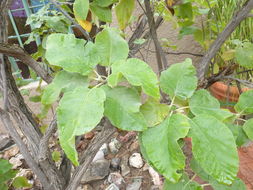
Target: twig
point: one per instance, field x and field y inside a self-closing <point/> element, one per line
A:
<point x="179" y="53"/>
<point x="19" y="53"/>
<point x="89" y="154"/>
<point x="161" y="59"/>
<point x="84" y="32"/>
<point x="236" y="20"/>
<point x="43" y="147"/>
<point x="5" y="89"/>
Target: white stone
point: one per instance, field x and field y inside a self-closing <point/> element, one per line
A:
<point x="136" y="160"/>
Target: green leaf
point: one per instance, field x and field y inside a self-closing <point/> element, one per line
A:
<point x="184" y="11"/>
<point x="35" y="98"/>
<point x="210" y="140"/>
<point x="179" y="80"/>
<point x="56" y="156"/>
<point x="5" y="166"/>
<point x="183" y="184"/>
<point x="104" y="3"/>
<point x="81" y="8"/>
<point x="124" y="10"/>
<point x="236" y="185"/>
<point x="79" y="111"/>
<point x="245" y="103"/>
<point x="161" y="146"/>
<point x="63" y="82"/>
<point x="138" y="73"/>
<point x="7" y="176"/>
<point x="203" y="103"/>
<point x="20" y="182"/>
<point x="154" y="112"/>
<point x="244" y="55"/>
<point x="248" y="128"/>
<point x="111" y="46"/>
<point x="122" y="108"/>
<point x="70" y="53"/>
<point x="3" y="186"/>
<point x="103" y="13"/>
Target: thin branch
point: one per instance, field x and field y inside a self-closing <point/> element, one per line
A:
<point x="89" y="154"/>
<point x="43" y="147"/>
<point x="5" y="89"/>
<point x="84" y="32"/>
<point x="161" y="59"/>
<point x="22" y="148"/>
<point x="236" y="20"/>
<point x="19" y="53"/>
<point x="179" y="53"/>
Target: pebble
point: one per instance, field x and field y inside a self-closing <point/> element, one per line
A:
<point x="136" y="161"/>
<point x="136" y="185"/>
<point x="98" y="170"/>
<point x="116" y="178"/>
<point x="155" y="176"/>
<point x="125" y="170"/>
<point x="99" y="156"/>
<point x="16" y="162"/>
<point x="114" y="146"/>
<point x="112" y="187"/>
<point x="13" y="151"/>
<point x="115" y="164"/>
<point x="104" y="148"/>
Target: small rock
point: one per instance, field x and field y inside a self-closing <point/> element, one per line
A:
<point x="98" y="170"/>
<point x="154" y="187"/>
<point x="11" y="152"/>
<point x="115" y="164"/>
<point x="125" y="170"/>
<point x="116" y="179"/>
<point x="27" y="173"/>
<point x="89" y="135"/>
<point x="87" y="187"/>
<point x="104" y="148"/>
<point x="114" y="146"/>
<point x="99" y="156"/>
<point x="155" y="176"/>
<point x="145" y="167"/>
<point x="136" y="160"/>
<point x="136" y="185"/>
<point x="16" y="162"/>
<point x="134" y="146"/>
<point x="112" y="187"/>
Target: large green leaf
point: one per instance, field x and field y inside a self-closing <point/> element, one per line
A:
<point x="138" y="73"/>
<point x="104" y="3"/>
<point x="63" y="82"/>
<point x="203" y="103"/>
<point x="161" y="146"/>
<point x="154" y="112"/>
<point x="245" y="103"/>
<point x="81" y="8"/>
<point x="124" y="10"/>
<point x="70" y="53"/>
<point x="79" y="111"/>
<point x="111" y="46"/>
<point x="103" y="13"/>
<point x="5" y="166"/>
<point x="179" y="80"/>
<point x="214" y="148"/>
<point x="236" y="185"/>
<point x="244" y="55"/>
<point x="183" y="184"/>
<point x="248" y="128"/>
<point x="122" y="107"/>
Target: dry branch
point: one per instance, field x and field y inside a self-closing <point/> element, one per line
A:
<point x="231" y="26"/>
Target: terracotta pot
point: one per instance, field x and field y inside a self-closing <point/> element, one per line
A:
<point x="227" y="95"/>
